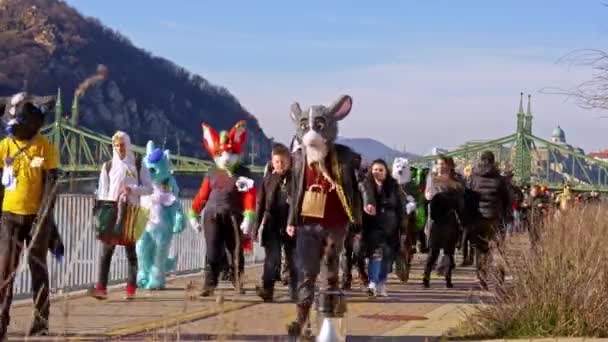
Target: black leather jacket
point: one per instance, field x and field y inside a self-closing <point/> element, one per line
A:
<point x="350" y="185"/>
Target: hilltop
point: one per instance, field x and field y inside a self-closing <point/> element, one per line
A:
<point x="48" y="45"/>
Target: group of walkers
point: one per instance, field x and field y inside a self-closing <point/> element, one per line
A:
<point x="317" y="205"/>
<point x="467" y="212"/>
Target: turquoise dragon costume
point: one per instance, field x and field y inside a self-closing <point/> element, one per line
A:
<point x="166" y="220"/>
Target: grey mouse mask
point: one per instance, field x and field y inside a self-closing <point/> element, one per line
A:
<point x="317" y="126"/>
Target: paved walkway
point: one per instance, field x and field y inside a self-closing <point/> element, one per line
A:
<point x="410" y="313"/>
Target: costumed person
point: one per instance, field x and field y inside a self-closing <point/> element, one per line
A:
<point x="402" y="173"/>
<point x="419" y="178"/>
<point x="325" y="198"/>
<point x="29" y="163"/>
<point x="122" y="180"/>
<point x="166" y="220"/>
<point x="227" y="195"/>
<point x="271" y="215"/>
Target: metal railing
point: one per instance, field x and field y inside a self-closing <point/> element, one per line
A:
<point x="79" y="268"/>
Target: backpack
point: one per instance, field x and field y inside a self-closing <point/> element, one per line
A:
<point x="138" y="159"/>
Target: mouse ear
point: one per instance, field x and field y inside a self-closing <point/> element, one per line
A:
<point x="295" y="112"/>
<point x="341" y="107"/>
<point x="44" y="103"/>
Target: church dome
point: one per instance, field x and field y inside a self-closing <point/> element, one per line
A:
<point x="558" y="135"/>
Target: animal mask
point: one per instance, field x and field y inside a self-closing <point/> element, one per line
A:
<point x="158" y="163"/>
<point x="401" y="170"/>
<point x="317" y="126"/>
<point x="23" y="114"/>
<point x="226" y="147"/>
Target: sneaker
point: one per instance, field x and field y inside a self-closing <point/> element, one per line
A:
<point x="381" y="290"/>
<point x="371" y="289"/>
<point x="99" y="292"/>
<point x="207" y="292"/>
<point x="39" y="328"/>
<point x="130" y="292"/>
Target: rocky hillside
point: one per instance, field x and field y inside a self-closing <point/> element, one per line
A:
<point x="46" y="44"/>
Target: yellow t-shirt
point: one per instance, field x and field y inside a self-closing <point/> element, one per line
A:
<point x="27" y="167"/>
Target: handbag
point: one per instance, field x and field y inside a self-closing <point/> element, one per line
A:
<point x="313" y="203"/>
<point x="119" y="223"/>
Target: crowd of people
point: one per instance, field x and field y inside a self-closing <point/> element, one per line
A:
<point x="317" y="205"/>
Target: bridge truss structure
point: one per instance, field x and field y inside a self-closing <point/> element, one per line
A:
<point x="534" y="160"/>
<point x="83" y="150"/>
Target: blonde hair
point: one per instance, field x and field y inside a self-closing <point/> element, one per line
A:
<point x="119" y="135"/>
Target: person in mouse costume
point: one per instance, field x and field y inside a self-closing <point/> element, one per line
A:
<point x="30" y="164"/>
<point x="228" y="197"/>
<point x="325" y="197"/>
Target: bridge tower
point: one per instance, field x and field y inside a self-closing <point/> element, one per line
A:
<point x="57" y="123"/>
<point x="523" y="162"/>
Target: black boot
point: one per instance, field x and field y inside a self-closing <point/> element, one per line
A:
<point x="208" y="284"/>
<point x="347" y="283"/>
<point x="266" y="294"/>
<point x="426" y="280"/>
<point x="39" y="327"/>
<point x="448" y="280"/>
<point x="295" y="328"/>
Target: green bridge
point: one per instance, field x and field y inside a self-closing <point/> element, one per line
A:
<point x="534" y="160"/>
<point x="83" y="150"/>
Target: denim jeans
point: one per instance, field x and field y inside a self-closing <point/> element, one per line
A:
<point x="378" y="266"/>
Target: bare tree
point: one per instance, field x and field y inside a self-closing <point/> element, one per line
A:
<point x="593" y="93"/>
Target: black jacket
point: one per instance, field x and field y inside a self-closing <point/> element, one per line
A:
<point x="344" y="156"/>
<point x="492" y="192"/>
<point x="274" y="214"/>
<point x="385" y="227"/>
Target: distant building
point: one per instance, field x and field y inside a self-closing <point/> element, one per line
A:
<point x="601" y="155"/>
<point x="438" y="150"/>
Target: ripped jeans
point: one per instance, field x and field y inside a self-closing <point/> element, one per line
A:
<point x="379" y="264"/>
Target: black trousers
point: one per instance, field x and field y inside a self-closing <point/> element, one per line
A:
<point x="220" y="234"/>
<point x="354" y="255"/>
<point x="14" y="231"/>
<point x="273" y="247"/>
<point x="105" y="260"/>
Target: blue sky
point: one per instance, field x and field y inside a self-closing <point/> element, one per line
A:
<point x="422" y="73"/>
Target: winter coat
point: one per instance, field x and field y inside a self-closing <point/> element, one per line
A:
<point x="272" y="207"/>
<point x="493" y="193"/>
<point x="446" y="205"/>
<point x="344" y="167"/>
<point x="383" y="230"/>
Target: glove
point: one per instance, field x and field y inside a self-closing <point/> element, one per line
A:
<point x="246" y="225"/>
<point x="410" y="207"/>
<point x="244" y="184"/>
<point x="194" y="221"/>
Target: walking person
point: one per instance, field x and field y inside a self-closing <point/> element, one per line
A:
<point x="354" y="249"/>
<point x="121" y="179"/>
<point x="445" y="192"/>
<point x="29" y="164"/>
<point x="272" y="211"/>
<point x="495" y="204"/>
<point x="382" y="231"/>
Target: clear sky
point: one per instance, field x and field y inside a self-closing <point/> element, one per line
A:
<point x="422" y="73"/>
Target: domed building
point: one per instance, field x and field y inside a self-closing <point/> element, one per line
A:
<point x="558" y="136"/>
